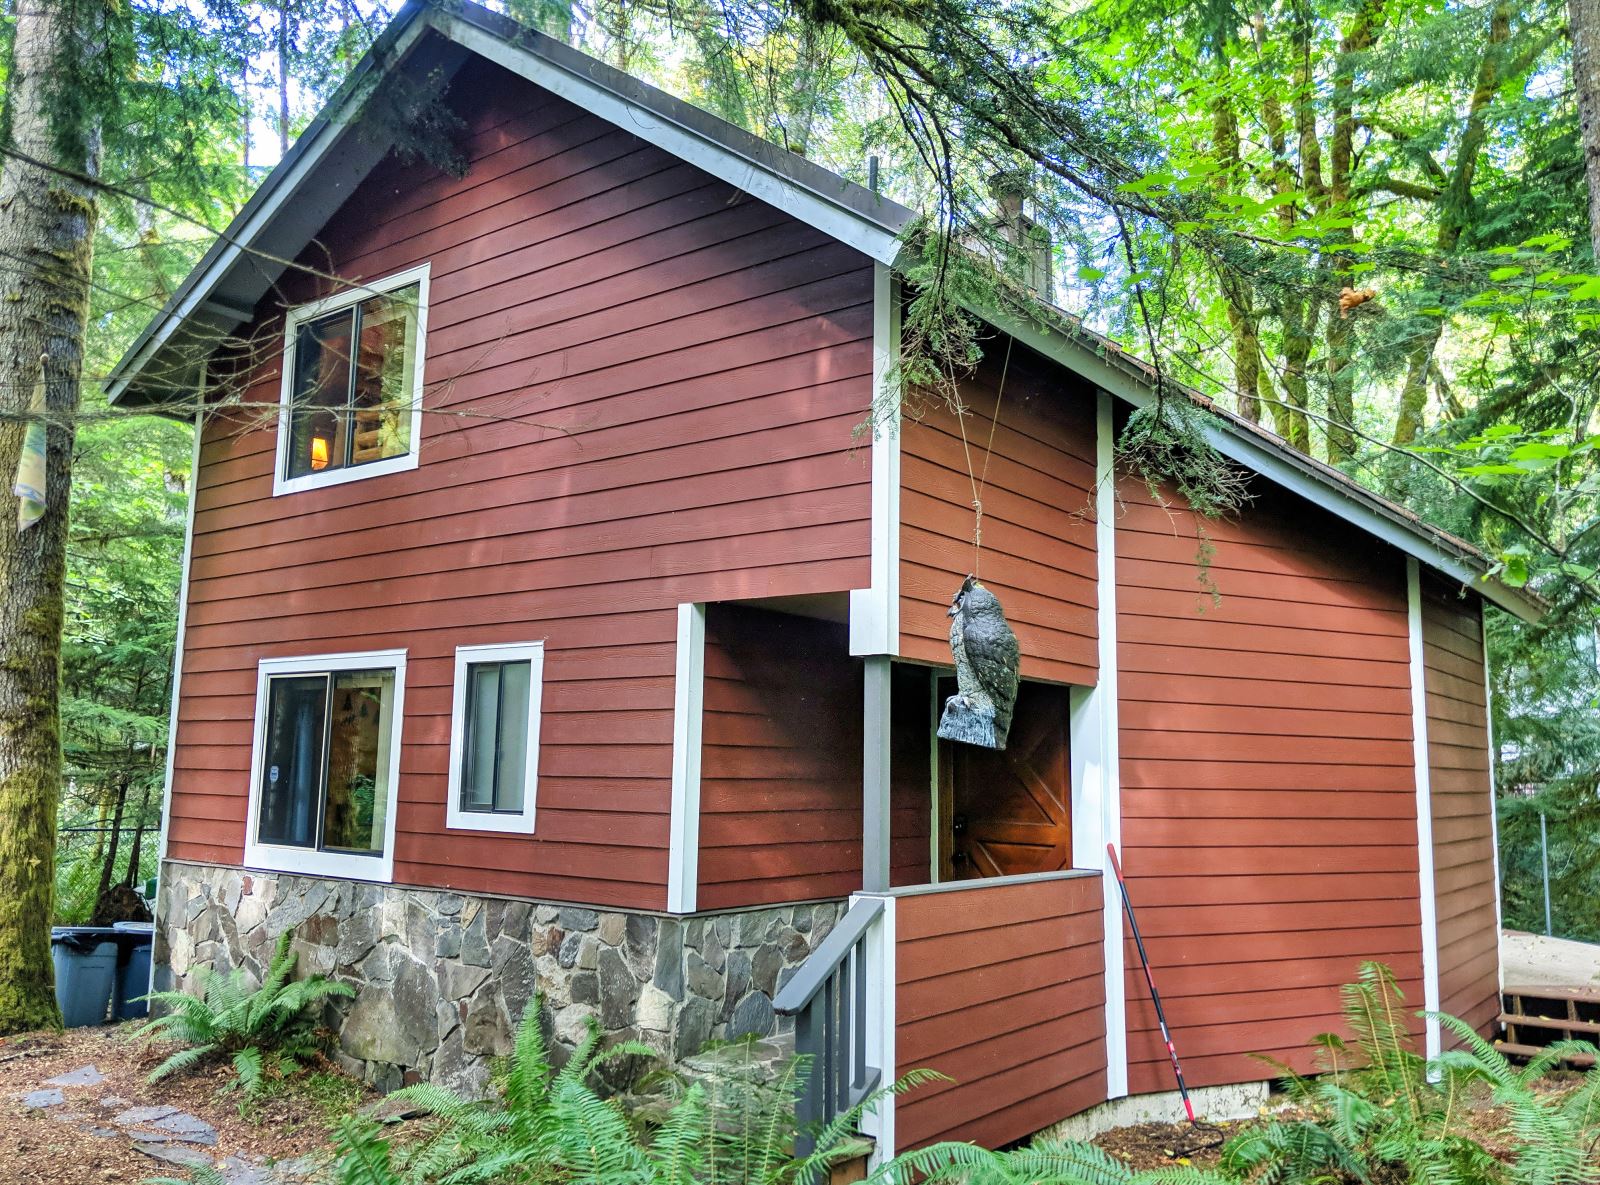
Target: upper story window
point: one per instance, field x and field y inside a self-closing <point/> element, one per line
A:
<point x="494" y="737"/>
<point x="325" y="763"/>
<point x="352" y="384"/>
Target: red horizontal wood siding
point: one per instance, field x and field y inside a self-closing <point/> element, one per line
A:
<point x="641" y="390"/>
<point x="780" y="765"/>
<point x="1463" y="806"/>
<point x="1001" y="988"/>
<point x="1026" y="450"/>
<point x="1268" y="796"/>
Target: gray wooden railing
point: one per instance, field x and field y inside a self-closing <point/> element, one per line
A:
<point x="828" y="999"/>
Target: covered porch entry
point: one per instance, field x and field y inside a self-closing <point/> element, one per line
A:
<point x="977" y="948"/>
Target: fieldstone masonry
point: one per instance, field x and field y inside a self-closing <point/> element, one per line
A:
<point x="443" y="978"/>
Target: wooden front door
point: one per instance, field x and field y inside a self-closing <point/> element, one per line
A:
<point x="1009" y="812"/>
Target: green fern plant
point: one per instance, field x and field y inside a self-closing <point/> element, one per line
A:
<point x="1043" y="1162"/>
<point x="550" y="1126"/>
<point x="256" y="1028"/>
<point x="1378" y="1111"/>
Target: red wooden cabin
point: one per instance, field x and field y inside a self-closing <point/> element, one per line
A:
<point x="548" y="626"/>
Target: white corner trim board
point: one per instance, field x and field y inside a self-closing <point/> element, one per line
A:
<point x="177" y="666"/>
<point x="1494" y="797"/>
<point x="177" y="654"/>
<point x="1096" y="754"/>
<point x="688" y="706"/>
<point x="875" y="611"/>
<point x="1423" y="775"/>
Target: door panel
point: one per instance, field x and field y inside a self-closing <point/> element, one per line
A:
<point x="1010" y="812"/>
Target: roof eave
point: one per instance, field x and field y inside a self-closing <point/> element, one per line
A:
<point x="1123" y="377"/>
<point x="847" y="212"/>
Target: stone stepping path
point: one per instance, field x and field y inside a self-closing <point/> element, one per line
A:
<point x="168" y="1135"/>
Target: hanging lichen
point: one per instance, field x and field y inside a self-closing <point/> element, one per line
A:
<point x="1164" y="444"/>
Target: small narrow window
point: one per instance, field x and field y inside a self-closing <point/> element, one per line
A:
<point x="495" y="737"/>
<point x="327" y="752"/>
<point x="352" y="384"/>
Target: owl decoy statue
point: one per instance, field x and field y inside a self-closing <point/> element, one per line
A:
<point x="987" y="669"/>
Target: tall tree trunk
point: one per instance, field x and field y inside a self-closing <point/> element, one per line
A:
<point x="1455" y="206"/>
<point x="283" y="78"/>
<point x="1288" y="410"/>
<point x="137" y="842"/>
<point x="1583" y="24"/>
<point x="108" y="866"/>
<point x="1299" y="326"/>
<point x="1339" y="338"/>
<point x="47" y="223"/>
<point x="1237" y="291"/>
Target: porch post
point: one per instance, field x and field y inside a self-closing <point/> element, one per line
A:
<point x="875" y="776"/>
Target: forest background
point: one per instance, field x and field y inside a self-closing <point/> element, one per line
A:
<point x="1362" y="223"/>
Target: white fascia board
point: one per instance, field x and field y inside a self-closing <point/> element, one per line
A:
<point x="875" y="611"/>
<point x="1428" y="902"/>
<point x="1260" y="457"/>
<point x="688" y="706"/>
<point x="682" y="141"/>
<point x="333" y="132"/>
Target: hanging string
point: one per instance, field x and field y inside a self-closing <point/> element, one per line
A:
<point x="980" y="482"/>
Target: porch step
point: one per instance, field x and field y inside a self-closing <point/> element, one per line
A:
<point x="1535" y="1016"/>
<point x="1581" y="1061"/>
<point x="850" y="1163"/>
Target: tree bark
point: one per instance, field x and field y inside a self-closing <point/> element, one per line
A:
<point x="283" y="78"/>
<point x="47" y="223"/>
<point x="108" y="865"/>
<point x="137" y="843"/>
<point x="1455" y="207"/>
<point x="1237" y="292"/>
<point x="1583" y="24"/>
<point x="1339" y="339"/>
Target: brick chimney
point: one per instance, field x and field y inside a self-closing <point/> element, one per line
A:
<point x="1030" y="239"/>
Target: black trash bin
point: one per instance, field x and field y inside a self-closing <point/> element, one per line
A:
<point x="134" y="940"/>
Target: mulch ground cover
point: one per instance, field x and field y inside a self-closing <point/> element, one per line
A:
<point x="93" y="1133"/>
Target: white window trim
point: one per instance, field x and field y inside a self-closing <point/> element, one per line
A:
<point x="521" y="823"/>
<point x="309" y="861"/>
<point x="331" y="304"/>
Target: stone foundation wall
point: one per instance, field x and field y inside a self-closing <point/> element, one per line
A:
<point x="443" y="978"/>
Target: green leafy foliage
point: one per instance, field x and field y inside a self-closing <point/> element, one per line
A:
<point x="266" y="1030"/>
<point x="550" y="1125"/>
<point x="1381" y="1112"/>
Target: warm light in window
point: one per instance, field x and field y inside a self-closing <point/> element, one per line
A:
<point x="319" y="452"/>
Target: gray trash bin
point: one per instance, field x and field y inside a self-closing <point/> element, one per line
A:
<point x="133" y="969"/>
<point x="86" y="972"/>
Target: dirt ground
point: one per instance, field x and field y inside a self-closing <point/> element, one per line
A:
<point x="1168" y="1145"/>
<point x="1534" y="960"/>
<point x="59" y="1145"/>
